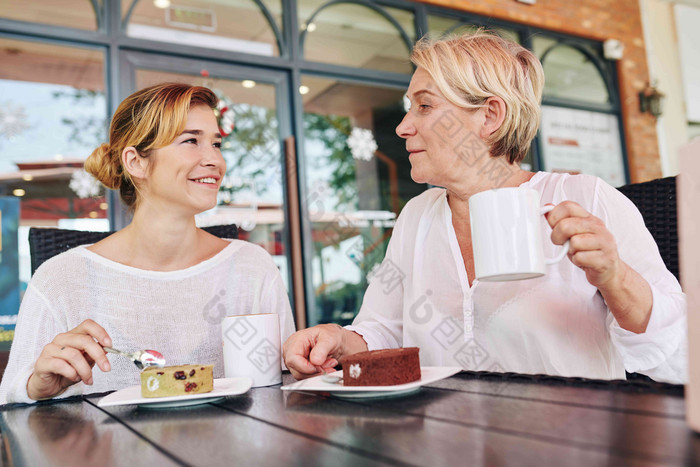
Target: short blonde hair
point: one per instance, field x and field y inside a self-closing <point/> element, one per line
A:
<point x="470" y="68"/>
<point x="148" y="119"/>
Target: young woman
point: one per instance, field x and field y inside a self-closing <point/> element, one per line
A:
<point x="160" y="283"/>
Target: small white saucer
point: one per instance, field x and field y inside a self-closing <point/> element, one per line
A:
<point x="222" y="387"/>
<point x="429" y="374"/>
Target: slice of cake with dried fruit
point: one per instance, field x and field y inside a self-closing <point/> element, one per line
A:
<point x="386" y="367"/>
<point x="177" y="380"/>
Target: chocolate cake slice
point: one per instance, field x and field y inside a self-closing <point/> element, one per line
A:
<point x="381" y="367"/>
<point x="177" y="380"/>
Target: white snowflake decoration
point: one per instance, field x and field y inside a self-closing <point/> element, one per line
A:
<point x="362" y="144"/>
<point x="84" y="185"/>
<point x="12" y="120"/>
<point x="225" y="116"/>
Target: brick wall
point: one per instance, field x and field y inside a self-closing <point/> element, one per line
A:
<point x="599" y="20"/>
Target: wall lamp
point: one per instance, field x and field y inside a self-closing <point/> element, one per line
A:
<point x="651" y="100"/>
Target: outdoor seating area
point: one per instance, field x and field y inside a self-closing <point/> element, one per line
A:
<point x="358" y="232"/>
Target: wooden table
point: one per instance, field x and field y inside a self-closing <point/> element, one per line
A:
<point x="469" y="419"/>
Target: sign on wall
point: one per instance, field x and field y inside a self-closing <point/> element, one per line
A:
<point x="688" y="35"/>
<point x="580" y="141"/>
<point x="9" y="266"/>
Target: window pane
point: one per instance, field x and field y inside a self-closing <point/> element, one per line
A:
<point x="439" y="25"/>
<point x="356" y="36"/>
<point x="78" y="14"/>
<point x="569" y="73"/>
<point x="52" y="115"/>
<point x="354" y="190"/>
<point x="235" y="25"/>
<point x="527" y="163"/>
<point x="251" y="194"/>
<point x="693" y="130"/>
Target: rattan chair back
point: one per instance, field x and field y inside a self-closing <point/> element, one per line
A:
<point x="46" y="243"/>
<point x="656" y="200"/>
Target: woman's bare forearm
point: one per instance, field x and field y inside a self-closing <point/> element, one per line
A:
<point x="629" y="299"/>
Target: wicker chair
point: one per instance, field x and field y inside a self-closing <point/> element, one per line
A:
<point x="45" y="243"/>
<point x="656" y="200"/>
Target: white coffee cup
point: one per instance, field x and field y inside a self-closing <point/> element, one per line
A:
<point x="507" y="239"/>
<point x="252" y="348"/>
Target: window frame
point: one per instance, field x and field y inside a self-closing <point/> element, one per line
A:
<point x="110" y="37"/>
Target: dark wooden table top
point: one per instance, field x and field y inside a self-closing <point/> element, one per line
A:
<point x="468" y="419"/>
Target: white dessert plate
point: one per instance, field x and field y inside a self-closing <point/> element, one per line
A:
<point x="429" y="374"/>
<point x="223" y="387"/>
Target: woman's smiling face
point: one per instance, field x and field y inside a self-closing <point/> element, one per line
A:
<point x="187" y="173"/>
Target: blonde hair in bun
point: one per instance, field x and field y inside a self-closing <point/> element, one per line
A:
<point x="148" y="119"/>
<point x="105" y="166"/>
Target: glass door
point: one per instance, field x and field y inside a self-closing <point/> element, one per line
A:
<point x="52" y="115"/>
<point x="357" y="181"/>
<point x="255" y="125"/>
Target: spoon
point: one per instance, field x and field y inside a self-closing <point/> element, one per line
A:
<point x="141" y="358"/>
<point x="327" y="378"/>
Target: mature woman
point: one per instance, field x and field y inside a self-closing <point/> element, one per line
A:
<point x="160" y="283"/>
<point x="612" y="306"/>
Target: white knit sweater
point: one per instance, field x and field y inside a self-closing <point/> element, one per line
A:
<point x="178" y="313"/>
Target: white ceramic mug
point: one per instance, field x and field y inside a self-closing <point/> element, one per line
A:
<point x="506" y="226"/>
<point x="252" y="348"/>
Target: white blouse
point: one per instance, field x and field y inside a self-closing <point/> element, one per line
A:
<point x="178" y="313"/>
<point x="557" y="324"/>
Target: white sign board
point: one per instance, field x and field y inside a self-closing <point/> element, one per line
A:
<point x="580" y="141"/>
<point x="688" y="34"/>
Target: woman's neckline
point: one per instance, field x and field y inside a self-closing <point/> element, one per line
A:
<point x="215" y="259"/>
